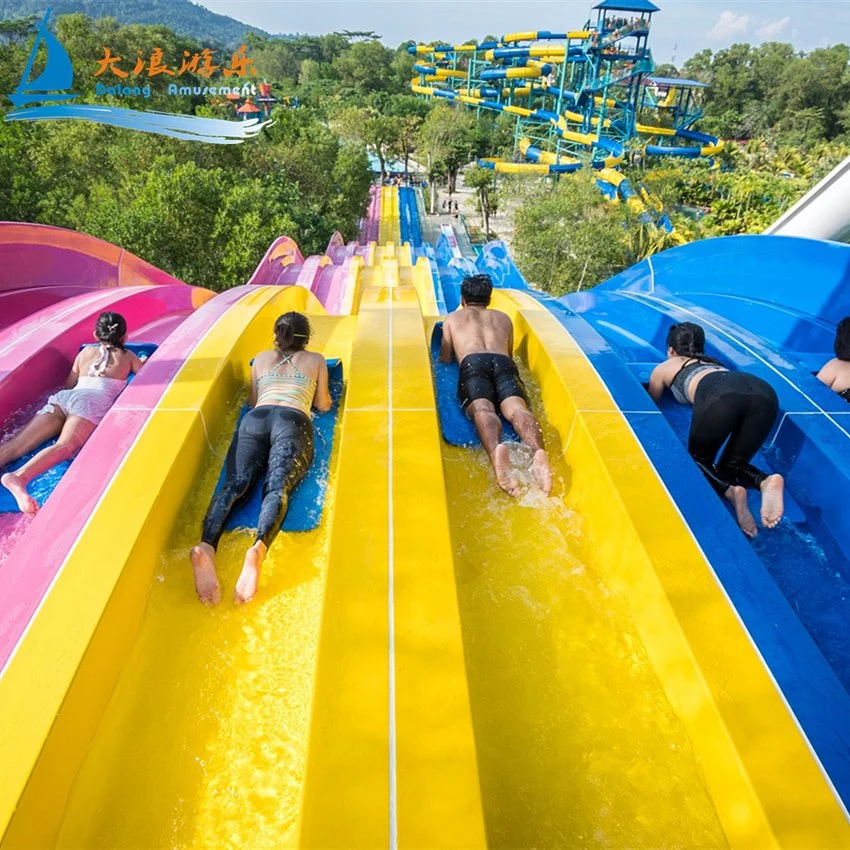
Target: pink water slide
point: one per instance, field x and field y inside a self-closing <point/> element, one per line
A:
<point x="53" y="285"/>
<point x="41" y="265"/>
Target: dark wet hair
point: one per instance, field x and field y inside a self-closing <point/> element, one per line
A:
<point x="687" y="339"/>
<point x="111" y="329"/>
<point x="842" y="339"/>
<point x="477" y="289"/>
<point x="292" y="331"/>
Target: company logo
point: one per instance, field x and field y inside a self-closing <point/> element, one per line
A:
<point x="55" y="81"/>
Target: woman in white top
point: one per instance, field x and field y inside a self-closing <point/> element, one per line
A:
<point x="97" y="377"/>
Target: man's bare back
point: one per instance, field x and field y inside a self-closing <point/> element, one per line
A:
<point x="476" y="330"/>
<point x="489" y="383"/>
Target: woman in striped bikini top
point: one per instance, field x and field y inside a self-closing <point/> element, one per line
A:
<point x="286" y="389"/>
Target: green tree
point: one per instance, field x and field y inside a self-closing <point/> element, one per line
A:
<point x="483" y="180"/>
<point x="380" y="134"/>
<point x="447" y="139"/>
<point x="566" y="237"/>
<point x="365" y="67"/>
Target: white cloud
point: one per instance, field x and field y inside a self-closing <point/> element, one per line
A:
<point x="729" y="25"/>
<point x="772" y="29"/>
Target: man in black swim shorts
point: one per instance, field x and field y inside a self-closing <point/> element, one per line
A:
<point x="482" y="340"/>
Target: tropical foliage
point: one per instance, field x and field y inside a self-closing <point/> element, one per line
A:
<point x="207" y="213"/>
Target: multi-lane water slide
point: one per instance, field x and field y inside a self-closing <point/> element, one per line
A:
<point x="435" y="664"/>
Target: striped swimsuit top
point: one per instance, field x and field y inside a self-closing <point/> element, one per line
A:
<point x="295" y="390"/>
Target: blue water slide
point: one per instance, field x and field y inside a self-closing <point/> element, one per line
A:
<point x="802" y="658"/>
<point x="689" y="152"/>
<point x="451" y="271"/>
<point x="746" y="293"/>
<point x="427" y="251"/>
<point x="409" y="226"/>
<point x="534" y="155"/>
<point x="669" y="150"/>
<point x="545" y="115"/>
<point x="495" y="260"/>
<point x="569" y="96"/>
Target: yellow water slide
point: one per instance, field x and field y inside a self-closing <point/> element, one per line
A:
<point x="436" y="665"/>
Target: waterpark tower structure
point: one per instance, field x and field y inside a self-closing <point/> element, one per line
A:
<point x="579" y="96"/>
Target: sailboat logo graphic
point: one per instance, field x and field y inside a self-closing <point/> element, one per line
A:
<point x="57" y="78"/>
<point x="57" y="74"/>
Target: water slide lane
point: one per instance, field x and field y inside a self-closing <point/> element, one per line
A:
<point x="631" y="537"/>
<point x="91" y="614"/>
<point x="391" y="721"/>
<point x="214" y="692"/>
<point x="36" y="353"/>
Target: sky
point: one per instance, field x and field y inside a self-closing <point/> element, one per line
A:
<point x="680" y="29"/>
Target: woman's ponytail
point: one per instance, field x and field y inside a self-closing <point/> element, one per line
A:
<point x="292" y="332"/>
<point x="111" y="328"/>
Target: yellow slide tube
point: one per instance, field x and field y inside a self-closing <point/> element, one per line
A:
<point x="645" y="129"/>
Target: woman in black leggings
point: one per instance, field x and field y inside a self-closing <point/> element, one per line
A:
<point x="727" y="405"/>
<point x="276" y="436"/>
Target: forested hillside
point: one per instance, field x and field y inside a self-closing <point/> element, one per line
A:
<point x="182" y="16"/>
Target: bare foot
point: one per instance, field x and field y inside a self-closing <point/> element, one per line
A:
<point x="738" y="497"/>
<point x="540" y="471"/>
<point x="246" y="587"/>
<point x="26" y="503"/>
<point x="206" y="581"/>
<point x="504" y="471"/>
<point x="772" y="500"/>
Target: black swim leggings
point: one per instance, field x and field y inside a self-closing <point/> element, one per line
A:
<point x="741" y="407"/>
<point x="278" y="439"/>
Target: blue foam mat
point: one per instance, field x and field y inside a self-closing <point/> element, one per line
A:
<point x="456" y="427"/>
<point x="308" y="500"/>
<point x="40" y="488"/>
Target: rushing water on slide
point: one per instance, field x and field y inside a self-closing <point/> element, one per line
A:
<point x="577" y="743"/>
<point x="204" y="741"/>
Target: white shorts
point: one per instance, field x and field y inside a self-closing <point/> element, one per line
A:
<point x="87" y="404"/>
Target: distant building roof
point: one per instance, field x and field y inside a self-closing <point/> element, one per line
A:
<point x="627" y="5"/>
<point x="248" y="107"/>
<point x="675" y="81"/>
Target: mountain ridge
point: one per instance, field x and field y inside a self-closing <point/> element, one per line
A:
<point x="183" y="16"/>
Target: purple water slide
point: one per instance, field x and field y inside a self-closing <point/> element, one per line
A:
<point x="42" y="265"/>
<point x="370" y="223"/>
<point x="53" y="285"/>
<point x="338" y="250"/>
